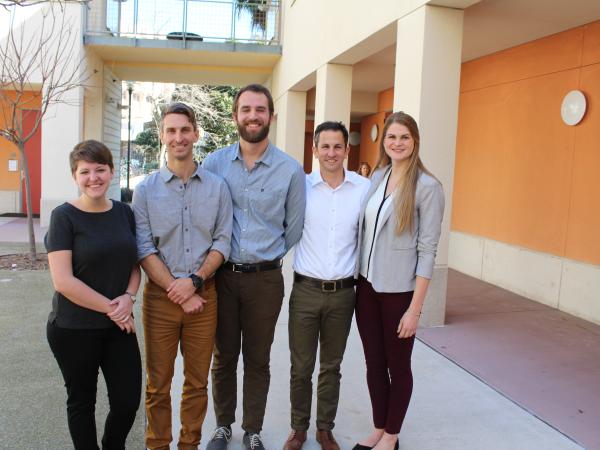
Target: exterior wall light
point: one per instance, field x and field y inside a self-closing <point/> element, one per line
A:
<point x="573" y="107"/>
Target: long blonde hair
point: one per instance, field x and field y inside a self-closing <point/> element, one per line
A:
<point x="404" y="203"/>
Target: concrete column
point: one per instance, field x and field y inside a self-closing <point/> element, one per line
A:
<point x="427" y="82"/>
<point x="291" y="117"/>
<point x="62" y="128"/>
<point x="333" y="93"/>
<point x="333" y="96"/>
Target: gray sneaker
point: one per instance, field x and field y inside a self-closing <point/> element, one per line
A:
<point x="252" y="441"/>
<point x="220" y="438"/>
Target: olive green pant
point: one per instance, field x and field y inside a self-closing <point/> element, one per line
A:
<point x="323" y="318"/>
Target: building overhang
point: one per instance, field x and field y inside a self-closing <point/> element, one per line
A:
<point x="162" y="60"/>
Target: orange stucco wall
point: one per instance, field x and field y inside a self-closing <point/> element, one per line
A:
<point x="522" y="176"/>
<point x="385" y="100"/>
<point x="9" y="181"/>
<point x="369" y="150"/>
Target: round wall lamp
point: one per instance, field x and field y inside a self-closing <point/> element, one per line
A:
<point x="374" y="132"/>
<point x="354" y="138"/>
<point x="573" y="107"/>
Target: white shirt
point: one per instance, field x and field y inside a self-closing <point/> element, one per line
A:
<point x="327" y="249"/>
<point x="373" y="210"/>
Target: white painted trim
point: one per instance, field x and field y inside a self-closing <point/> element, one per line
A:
<point x="570" y="286"/>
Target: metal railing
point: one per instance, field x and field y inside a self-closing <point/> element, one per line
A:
<point x="256" y="21"/>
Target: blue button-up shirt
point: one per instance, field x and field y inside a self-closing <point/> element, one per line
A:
<point x="182" y="222"/>
<point x="268" y="202"/>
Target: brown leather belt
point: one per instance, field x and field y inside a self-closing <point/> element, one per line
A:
<point x="325" y="285"/>
<point x="254" y="267"/>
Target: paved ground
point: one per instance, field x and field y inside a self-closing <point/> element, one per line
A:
<point x="544" y="359"/>
<point x="451" y="409"/>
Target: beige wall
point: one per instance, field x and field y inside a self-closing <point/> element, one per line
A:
<point x="111" y="126"/>
<point x="338" y="33"/>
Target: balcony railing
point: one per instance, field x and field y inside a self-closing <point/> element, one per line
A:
<point x="187" y="20"/>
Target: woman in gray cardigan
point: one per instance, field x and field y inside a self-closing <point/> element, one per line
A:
<point x="398" y="234"/>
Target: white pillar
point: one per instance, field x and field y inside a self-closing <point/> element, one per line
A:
<point x="333" y="96"/>
<point x="291" y="118"/>
<point x="427" y="82"/>
<point x="333" y="93"/>
<point x="62" y="128"/>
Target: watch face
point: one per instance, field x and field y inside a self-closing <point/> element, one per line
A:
<point x="196" y="280"/>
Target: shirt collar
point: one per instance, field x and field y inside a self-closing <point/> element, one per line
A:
<point x="315" y="178"/>
<point x="167" y="175"/>
<point x="266" y="158"/>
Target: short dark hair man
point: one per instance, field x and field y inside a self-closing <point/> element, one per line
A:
<point x="184" y="219"/>
<point x="322" y="300"/>
<point x="268" y="192"/>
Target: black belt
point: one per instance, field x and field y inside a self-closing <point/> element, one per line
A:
<point x="325" y="285"/>
<point x="254" y="267"/>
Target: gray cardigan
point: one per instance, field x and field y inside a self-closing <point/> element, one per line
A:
<point x="396" y="260"/>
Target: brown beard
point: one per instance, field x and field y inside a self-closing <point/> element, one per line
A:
<point x="253" y="138"/>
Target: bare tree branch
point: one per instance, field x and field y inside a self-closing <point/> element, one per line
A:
<point x="7" y="4"/>
<point x="38" y="68"/>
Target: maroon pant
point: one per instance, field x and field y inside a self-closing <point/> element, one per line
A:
<point x="389" y="375"/>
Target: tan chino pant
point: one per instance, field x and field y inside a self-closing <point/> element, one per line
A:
<point x="166" y="327"/>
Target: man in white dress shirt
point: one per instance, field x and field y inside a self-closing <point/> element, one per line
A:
<point x="323" y="296"/>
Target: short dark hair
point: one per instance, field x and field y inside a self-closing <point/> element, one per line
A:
<point x="258" y="89"/>
<point x="90" y="151"/>
<point x="331" y="126"/>
<point x="179" y="108"/>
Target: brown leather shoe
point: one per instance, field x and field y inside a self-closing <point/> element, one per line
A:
<point x="295" y="440"/>
<point x="327" y="441"/>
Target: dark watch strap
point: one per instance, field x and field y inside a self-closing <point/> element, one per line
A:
<point x="196" y="280"/>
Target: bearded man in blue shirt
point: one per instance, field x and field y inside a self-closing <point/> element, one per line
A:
<point x="268" y="191"/>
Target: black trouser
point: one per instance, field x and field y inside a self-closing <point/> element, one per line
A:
<point x="80" y="353"/>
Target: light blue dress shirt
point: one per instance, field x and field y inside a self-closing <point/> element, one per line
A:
<point x="182" y="222"/>
<point x="268" y="202"/>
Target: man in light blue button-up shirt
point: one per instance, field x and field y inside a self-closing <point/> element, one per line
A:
<point x="268" y="191"/>
<point x="183" y="220"/>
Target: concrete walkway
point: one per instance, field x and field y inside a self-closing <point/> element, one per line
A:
<point x="450" y="408"/>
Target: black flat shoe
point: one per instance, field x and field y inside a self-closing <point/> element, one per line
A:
<point x="362" y="447"/>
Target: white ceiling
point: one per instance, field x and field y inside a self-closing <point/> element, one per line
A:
<point x="493" y="25"/>
<point x="489" y="26"/>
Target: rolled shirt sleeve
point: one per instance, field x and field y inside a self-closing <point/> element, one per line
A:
<point x="143" y="232"/>
<point x="224" y="223"/>
<point x="431" y="211"/>
<point x="295" y="204"/>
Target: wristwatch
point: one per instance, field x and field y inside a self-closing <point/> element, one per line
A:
<point x="196" y="280"/>
<point x="131" y="296"/>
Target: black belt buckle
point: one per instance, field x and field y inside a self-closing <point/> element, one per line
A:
<point x="328" y="286"/>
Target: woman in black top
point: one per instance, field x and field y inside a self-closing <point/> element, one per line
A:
<point x="93" y="263"/>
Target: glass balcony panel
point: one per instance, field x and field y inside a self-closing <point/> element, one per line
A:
<point x="212" y="20"/>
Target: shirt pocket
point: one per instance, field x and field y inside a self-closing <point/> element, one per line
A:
<point x="204" y="213"/>
<point x="267" y="203"/>
<point x="165" y="217"/>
